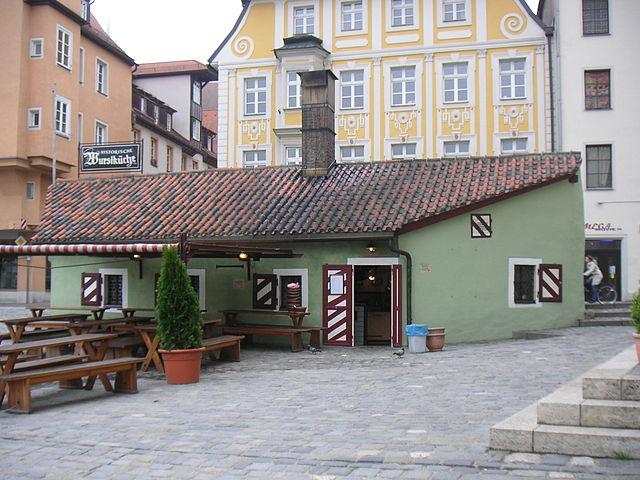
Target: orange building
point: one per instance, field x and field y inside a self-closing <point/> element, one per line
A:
<point x="64" y="82"/>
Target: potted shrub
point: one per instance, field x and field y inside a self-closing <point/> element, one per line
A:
<point x="179" y="324"/>
<point x="635" y="320"/>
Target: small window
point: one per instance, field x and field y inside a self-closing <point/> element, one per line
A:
<point x="63" y="50"/>
<point x="154" y="152"/>
<point x="113" y="291"/>
<point x="353" y="153"/>
<point x="597" y="89"/>
<point x="63" y="119"/>
<point x="403" y="86"/>
<point x="34" y="117"/>
<point x="102" y="77"/>
<point x="351" y="20"/>
<point x="136" y="135"/>
<point x="595" y="17"/>
<point x="255" y="94"/>
<point x="36" y="48"/>
<point x="143" y="104"/>
<point x="183" y="163"/>
<point x="255" y="158"/>
<point x="81" y="66"/>
<point x="454" y="10"/>
<point x="101" y="133"/>
<point x="156" y="114"/>
<point x="169" y="122"/>
<point x="456" y="149"/>
<point x="402" y="13"/>
<point x="513" y="79"/>
<point x="283" y="281"/>
<point x="197" y="93"/>
<point x="197" y="278"/>
<point x="352" y="89"/>
<point x="403" y="151"/>
<point x="510" y="146"/>
<point x="293" y="90"/>
<point x="8" y="272"/>
<point x="599" y="166"/>
<point x="456" y="82"/>
<point x="303" y="20"/>
<point x="169" y="158"/>
<point x="194" y="165"/>
<point x="293" y="155"/>
<point x="196" y="128"/>
<point x="31" y="190"/>
<point x="524" y="284"/>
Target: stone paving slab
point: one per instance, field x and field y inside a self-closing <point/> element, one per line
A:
<point x="341" y="414"/>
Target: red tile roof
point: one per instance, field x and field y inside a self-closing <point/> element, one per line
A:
<point x="278" y="202"/>
<point x="171" y="68"/>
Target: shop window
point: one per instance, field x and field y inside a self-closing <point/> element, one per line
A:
<point x="114" y="288"/>
<point x="599" y="166"/>
<point x="287" y="276"/>
<point x="595" y="17"/>
<point x="597" y="89"/>
<point x="8" y="272"/>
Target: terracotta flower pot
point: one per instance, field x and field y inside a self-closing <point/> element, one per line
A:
<point x="636" y="337"/>
<point x="437" y="330"/>
<point x="182" y="366"/>
<point x="435" y="341"/>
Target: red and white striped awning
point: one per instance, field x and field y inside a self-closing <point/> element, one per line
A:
<point x="86" y="249"/>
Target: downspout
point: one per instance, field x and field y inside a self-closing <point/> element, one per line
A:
<point x="551" y="93"/>
<point x="393" y="246"/>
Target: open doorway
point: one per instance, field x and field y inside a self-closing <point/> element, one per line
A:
<point x="372" y="304"/>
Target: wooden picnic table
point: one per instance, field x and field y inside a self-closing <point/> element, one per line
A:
<point x="296" y="316"/>
<point x="151" y="339"/>
<point x="131" y="311"/>
<point x="13" y="351"/>
<point x="87" y="326"/>
<point x="16" y="326"/>
<point x="97" y="312"/>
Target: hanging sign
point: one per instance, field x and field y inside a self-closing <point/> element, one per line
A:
<point x="114" y="157"/>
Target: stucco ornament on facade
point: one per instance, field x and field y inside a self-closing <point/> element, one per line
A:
<point x="254" y="129"/>
<point x="243" y="46"/>
<point x="403" y="122"/>
<point x="513" y="116"/>
<point x="512" y="25"/>
<point x="351" y="124"/>
<point x="456" y="119"/>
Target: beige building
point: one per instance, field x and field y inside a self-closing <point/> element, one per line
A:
<point x="60" y="72"/>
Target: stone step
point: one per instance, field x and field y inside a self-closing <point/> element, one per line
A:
<point x="608" y="313"/>
<point x="590" y="413"/>
<point x="605" y="322"/>
<point x="615" y="382"/>
<point x="601" y="306"/>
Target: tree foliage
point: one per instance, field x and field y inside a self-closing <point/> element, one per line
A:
<point x="177" y="309"/>
<point x="635" y="311"/>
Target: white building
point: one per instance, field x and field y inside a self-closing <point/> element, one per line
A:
<point x="179" y="84"/>
<point x="596" y="69"/>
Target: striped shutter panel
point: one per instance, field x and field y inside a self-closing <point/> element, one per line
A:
<point x="265" y="288"/>
<point x="91" y="293"/>
<point x="550" y="282"/>
<point x="396" y="306"/>
<point x="337" y="305"/>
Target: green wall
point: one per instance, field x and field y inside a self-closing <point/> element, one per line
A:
<point x="458" y="282"/>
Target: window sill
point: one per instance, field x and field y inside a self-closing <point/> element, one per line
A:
<point x="599" y="189"/>
<point x="68" y="68"/>
<point x="404" y="106"/>
<point x="598" y="109"/>
<point x="513" y="99"/>
<point x="102" y="93"/>
<point x="66" y="136"/>
<point x="604" y="34"/>
<point x="353" y="109"/>
<point x="401" y="28"/>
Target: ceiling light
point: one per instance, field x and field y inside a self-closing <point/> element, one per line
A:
<point x="243" y="256"/>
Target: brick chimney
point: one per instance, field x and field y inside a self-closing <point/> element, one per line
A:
<point x="318" y="120"/>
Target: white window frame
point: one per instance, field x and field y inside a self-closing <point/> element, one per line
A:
<point x="352" y="13"/>
<point x="69" y="52"/>
<point x="201" y="273"/>
<point x="169" y="158"/>
<point x="255" y="91"/>
<point x="66" y="132"/>
<point x="31" y="191"/>
<point x="456" y="77"/>
<point x="255" y="163"/>
<point x="169" y="121"/>
<point x="404" y="155"/>
<point x="196" y="129"/>
<point x="511" y="290"/>
<point x="301" y="12"/>
<point x="515" y="151"/>
<point x="404" y="82"/>
<point x="353" y="159"/>
<point x="495" y="65"/>
<point x="30" y="124"/>
<point x="32" y="48"/>
<point x="292" y="4"/>
<point x="454" y="23"/>
<point x="105" y="127"/>
<point x="512" y="73"/>
<point x="153" y="160"/>
<point x="81" y="58"/>
<point x="410" y="26"/>
<point x="302" y="272"/>
<point x="352" y="84"/>
<point x="156" y="114"/>
<point x="293" y="80"/>
<point x="102" y="87"/>
<point x="286" y="154"/>
<point x="196" y="92"/>
<point x="457" y="152"/>
<point x="124" y="273"/>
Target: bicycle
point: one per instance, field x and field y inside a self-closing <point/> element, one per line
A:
<point x="606" y="293"/>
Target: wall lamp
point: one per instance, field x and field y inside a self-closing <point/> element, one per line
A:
<point x="371" y="248"/>
<point x="243" y="256"/>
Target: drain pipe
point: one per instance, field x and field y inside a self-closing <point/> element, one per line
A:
<point x="393" y="246"/>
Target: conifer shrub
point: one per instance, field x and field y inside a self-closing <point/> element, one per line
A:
<point x="635" y="311"/>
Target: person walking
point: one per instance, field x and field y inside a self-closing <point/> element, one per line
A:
<point x="592" y="277"/>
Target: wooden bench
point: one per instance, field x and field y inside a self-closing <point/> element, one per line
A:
<point x="296" y="316"/>
<point x="19" y="384"/>
<point x="125" y="345"/>
<point x="294" y="333"/>
<point x="228" y="345"/>
<point x="21" y="358"/>
<point x="49" y="362"/>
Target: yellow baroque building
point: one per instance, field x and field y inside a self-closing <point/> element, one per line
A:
<point x="415" y="79"/>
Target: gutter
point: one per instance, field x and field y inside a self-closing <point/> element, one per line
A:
<point x="549" y="34"/>
<point x="393" y="246"/>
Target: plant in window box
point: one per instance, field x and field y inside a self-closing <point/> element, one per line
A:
<point x="179" y="324"/>
<point x="635" y="320"/>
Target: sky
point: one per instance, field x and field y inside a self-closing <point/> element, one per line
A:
<point x="163" y="30"/>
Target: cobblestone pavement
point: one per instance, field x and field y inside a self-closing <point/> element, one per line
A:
<point x="343" y="413"/>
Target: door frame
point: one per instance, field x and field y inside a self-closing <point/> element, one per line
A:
<point x="374" y="262"/>
<point x="624" y="265"/>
